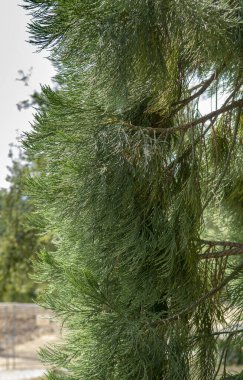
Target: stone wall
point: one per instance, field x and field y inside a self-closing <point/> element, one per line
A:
<point x="22" y="322"/>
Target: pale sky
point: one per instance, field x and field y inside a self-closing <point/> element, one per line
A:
<point x="17" y="54"/>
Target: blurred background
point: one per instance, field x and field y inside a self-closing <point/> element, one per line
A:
<point x="24" y="326"/>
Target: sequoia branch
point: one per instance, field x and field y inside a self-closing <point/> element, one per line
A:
<point x="216" y="255"/>
<point x="203" y="87"/>
<point x="200" y="120"/>
<point x="213" y="243"/>
<point x="224" y="332"/>
<point x="202" y="299"/>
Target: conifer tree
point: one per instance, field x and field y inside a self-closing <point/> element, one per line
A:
<point x="131" y="170"/>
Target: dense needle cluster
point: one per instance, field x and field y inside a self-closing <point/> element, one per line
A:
<point x="130" y="167"/>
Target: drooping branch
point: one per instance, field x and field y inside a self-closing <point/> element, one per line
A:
<point x="203" y="87"/>
<point x="231" y="332"/>
<point x="216" y="255"/>
<point x="233" y="249"/>
<point x="212" y="116"/>
<point x="184" y="127"/>
<point x="200" y="120"/>
<point x="202" y="299"/>
<point x="211" y="125"/>
<point x="213" y="243"/>
<point x="199" y="85"/>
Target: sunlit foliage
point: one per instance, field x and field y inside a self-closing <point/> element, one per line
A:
<point x="131" y="171"/>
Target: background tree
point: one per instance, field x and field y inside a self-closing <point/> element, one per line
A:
<point x="20" y="240"/>
<point x="20" y="236"/>
<point x="131" y="173"/>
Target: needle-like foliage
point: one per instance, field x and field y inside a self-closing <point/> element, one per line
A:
<point x="130" y="170"/>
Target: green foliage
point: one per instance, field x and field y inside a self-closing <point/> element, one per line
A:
<point x="19" y="240"/>
<point x="129" y="170"/>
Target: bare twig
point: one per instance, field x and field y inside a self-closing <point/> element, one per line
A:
<point x="211" y="124"/>
<point x="203" y="87"/>
<point x="200" y="120"/>
<point x="221" y="243"/>
<point x="225" y="332"/>
<point x="216" y="255"/>
<point x="237" y="249"/>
